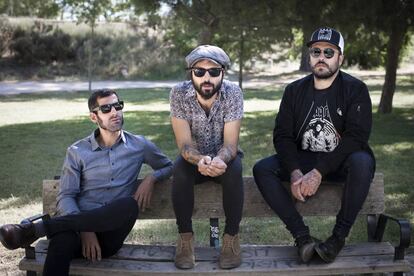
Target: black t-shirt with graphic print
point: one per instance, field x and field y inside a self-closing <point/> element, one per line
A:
<point x="320" y="134"/>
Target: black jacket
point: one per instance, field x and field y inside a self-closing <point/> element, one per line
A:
<point x="352" y="118"/>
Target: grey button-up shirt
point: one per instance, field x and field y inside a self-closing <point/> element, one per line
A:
<point x="207" y="131"/>
<point x="93" y="176"/>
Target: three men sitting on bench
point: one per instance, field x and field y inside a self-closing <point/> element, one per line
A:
<point x="322" y="130"/>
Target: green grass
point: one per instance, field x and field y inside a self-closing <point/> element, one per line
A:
<point x="33" y="148"/>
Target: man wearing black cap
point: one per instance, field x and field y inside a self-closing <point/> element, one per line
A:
<point x="336" y="109"/>
<point x="206" y="114"/>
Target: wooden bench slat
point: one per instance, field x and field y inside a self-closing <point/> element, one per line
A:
<point x="260" y="260"/>
<point x="166" y="253"/>
<point x="208" y="200"/>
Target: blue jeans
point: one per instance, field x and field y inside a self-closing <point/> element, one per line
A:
<point x="111" y="223"/>
<point x="357" y="171"/>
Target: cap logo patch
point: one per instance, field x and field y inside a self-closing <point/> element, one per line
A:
<point x="325" y="34"/>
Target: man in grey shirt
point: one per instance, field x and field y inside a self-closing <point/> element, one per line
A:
<point x="99" y="200"/>
<point x="206" y="114"/>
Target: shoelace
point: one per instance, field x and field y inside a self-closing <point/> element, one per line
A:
<point x="185" y="245"/>
<point x="227" y="244"/>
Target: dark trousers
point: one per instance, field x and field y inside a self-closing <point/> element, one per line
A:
<point x="111" y="223"/>
<point x="357" y="171"/>
<point x="186" y="175"/>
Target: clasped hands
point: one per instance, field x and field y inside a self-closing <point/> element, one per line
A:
<point x="211" y="167"/>
<point x="303" y="186"/>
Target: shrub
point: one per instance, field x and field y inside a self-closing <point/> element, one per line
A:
<point x="44" y="43"/>
<point x="6" y="34"/>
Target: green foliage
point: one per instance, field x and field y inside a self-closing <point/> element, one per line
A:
<point x="88" y="11"/>
<point x="39" y="8"/>
<point x="44" y="43"/>
<point x="6" y="34"/>
<point x="121" y="51"/>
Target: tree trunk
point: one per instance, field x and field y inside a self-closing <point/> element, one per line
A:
<point x="90" y="57"/>
<point x="395" y="42"/>
<point x="206" y="36"/>
<point x="241" y="60"/>
<point x="10" y="11"/>
<point x="304" y="59"/>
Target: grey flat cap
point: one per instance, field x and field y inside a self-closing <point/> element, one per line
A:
<point x="213" y="53"/>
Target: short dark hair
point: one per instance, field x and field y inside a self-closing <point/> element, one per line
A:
<point x="100" y="93"/>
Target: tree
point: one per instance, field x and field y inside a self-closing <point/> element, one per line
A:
<point x="89" y="11"/>
<point x="398" y="19"/>
<point x="243" y="28"/>
<point x="38" y="8"/>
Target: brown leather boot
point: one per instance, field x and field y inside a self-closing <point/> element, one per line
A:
<point x="184" y="252"/>
<point x="230" y="255"/>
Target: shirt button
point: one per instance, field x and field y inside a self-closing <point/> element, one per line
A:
<point x="113" y="163"/>
<point x="112" y="179"/>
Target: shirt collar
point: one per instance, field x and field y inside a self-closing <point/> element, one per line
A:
<point x="95" y="145"/>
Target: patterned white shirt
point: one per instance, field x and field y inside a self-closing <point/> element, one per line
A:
<point x="207" y="130"/>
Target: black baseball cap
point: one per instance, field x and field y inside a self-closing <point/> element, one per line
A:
<point x="329" y="35"/>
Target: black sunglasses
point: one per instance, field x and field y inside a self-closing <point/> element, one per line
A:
<point x="327" y="52"/>
<point x="200" y="72"/>
<point x="106" y="108"/>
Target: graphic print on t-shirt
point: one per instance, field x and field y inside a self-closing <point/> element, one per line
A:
<point x="320" y="134"/>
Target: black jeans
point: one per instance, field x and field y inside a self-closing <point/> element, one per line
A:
<point x="357" y="171"/>
<point x="111" y="223"/>
<point x="186" y="175"/>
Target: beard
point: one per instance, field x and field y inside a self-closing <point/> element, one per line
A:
<point x="209" y="89"/>
<point x="112" y="126"/>
<point x="324" y="74"/>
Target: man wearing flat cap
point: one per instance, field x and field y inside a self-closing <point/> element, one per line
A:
<point x="321" y="132"/>
<point x="206" y="114"/>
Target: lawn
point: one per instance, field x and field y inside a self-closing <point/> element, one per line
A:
<point x="35" y="131"/>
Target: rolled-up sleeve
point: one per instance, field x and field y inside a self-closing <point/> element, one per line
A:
<point x="69" y="184"/>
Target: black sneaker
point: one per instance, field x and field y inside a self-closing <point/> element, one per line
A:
<point x="306" y="247"/>
<point x="329" y="249"/>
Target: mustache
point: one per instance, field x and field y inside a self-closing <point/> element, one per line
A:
<point x="321" y="62"/>
<point x="115" y="117"/>
<point x="206" y="82"/>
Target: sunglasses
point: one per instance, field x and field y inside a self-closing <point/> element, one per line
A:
<point x="200" y="72"/>
<point x="106" y="108"/>
<point x="327" y="52"/>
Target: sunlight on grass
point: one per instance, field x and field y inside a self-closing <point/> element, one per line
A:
<point x="14" y="214"/>
<point x="397" y="148"/>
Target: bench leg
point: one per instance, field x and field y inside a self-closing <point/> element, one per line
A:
<point x="372" y="222"/>
<point x="214" y="233"/>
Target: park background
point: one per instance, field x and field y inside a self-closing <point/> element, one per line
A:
<point x="126" y="40"/>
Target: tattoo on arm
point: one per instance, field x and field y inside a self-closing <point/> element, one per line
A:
<point x="191" y="154"/>
<point x="227" y="153"/>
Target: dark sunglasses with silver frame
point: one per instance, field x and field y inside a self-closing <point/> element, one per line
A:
<point x="106" y="108"/>
<point x="200" y="72"/>
<point x="327" y="52"/>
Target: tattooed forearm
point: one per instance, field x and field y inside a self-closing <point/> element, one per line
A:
<point x="227" y="153"/>
<point x="191" y="154"/>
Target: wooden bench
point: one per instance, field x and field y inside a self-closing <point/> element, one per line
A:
<point x="368" y="257"/>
